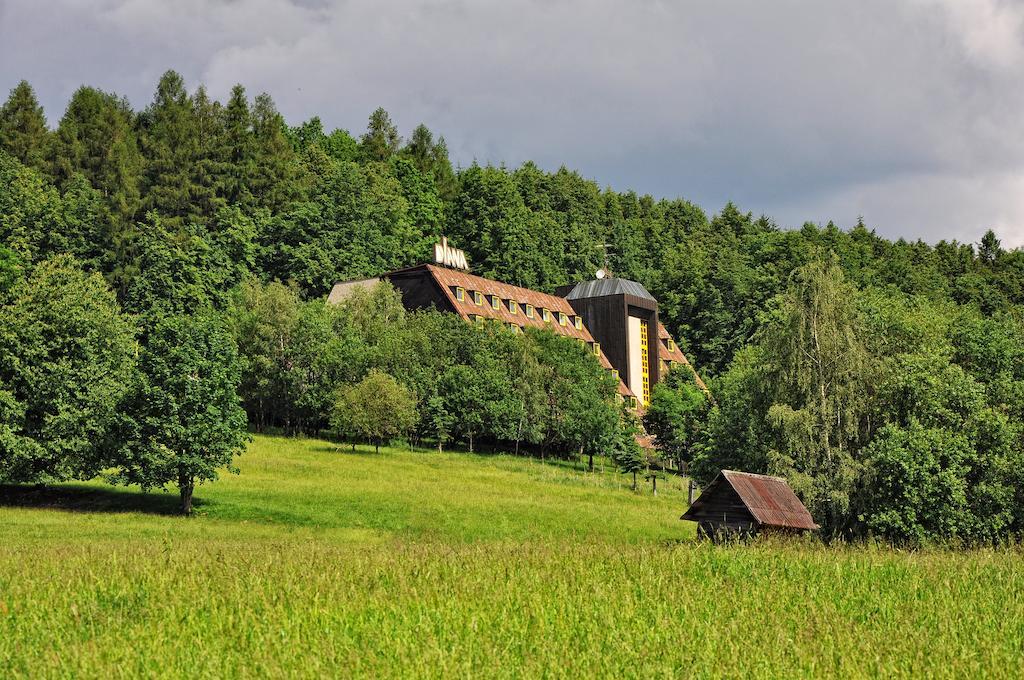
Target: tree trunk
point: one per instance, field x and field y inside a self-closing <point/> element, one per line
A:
<point x="654" y="485"/>
<point x="376" y="447"/>
<point x="591" y="462"/>
<point x="634" y="480"/>
<point x="471" y="443"/>
<point x="186" y="485"/>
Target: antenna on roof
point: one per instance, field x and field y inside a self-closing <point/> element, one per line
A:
<point x="605" y="270"/>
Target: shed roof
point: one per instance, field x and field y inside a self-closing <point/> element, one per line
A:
<point x="769" y="499"/>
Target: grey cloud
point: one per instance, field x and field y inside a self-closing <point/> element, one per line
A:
<point x="906" y="113"/>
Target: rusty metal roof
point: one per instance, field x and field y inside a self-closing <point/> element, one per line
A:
<point x="769" y="499"/>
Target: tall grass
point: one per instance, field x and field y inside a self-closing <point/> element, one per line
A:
<point x="315" y="562"/>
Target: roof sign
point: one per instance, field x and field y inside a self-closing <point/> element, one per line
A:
<point x="448" y="256"/>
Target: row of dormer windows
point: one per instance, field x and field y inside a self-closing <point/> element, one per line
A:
<point x="513" y="306"/>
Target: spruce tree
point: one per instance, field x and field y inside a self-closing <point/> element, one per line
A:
<point x="169" y="138"/>
<point x="381" y="140"/>
<point x="237" y="151"/>
<point x="209" y="167"/>
<point x="96" y="138"/>
<point x="276" y="178"/>
<point x="23" y="132"/>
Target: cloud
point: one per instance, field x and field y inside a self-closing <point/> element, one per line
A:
<point x="906" y="113"/>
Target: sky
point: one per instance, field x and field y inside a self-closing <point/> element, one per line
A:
<point x="909" y="113"/>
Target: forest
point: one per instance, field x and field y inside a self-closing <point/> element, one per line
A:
<point x="163" y="275"/>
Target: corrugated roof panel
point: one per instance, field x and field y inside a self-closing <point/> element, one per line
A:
<point x="602" y="287"/>
<point x="770" y="500"/>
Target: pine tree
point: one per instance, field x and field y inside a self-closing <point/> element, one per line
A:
<point x="431" y="159"/>
<point x="23" y="132"/>
<point x="209" y="167"/>
<point x="96" y="138"/>
<point x="237" y="152"/>
<point x="169" y="138"/>
<point x="276" y="179"/>
<point x="381" y="140"/>
<point x="990" y="249"/>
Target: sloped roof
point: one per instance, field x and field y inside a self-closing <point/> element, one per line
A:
<point x="769" y="499"/>
<point x="676" y="355"/>
<point x="602" y="287"/>
<point x="450" y="279"/>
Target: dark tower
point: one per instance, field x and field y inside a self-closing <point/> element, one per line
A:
<point x="623" y="317"/>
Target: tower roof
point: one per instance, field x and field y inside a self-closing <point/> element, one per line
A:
<point x="603" y="287"/>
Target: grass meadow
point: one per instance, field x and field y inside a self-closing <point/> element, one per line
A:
<point x="317" y="561"/>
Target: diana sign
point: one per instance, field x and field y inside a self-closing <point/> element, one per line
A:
<point x="448" y="256"/>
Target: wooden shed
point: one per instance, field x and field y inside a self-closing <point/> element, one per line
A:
<point x="745" y="503"/>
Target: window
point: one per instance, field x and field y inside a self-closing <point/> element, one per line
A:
<point x="529" y="310"/>
<point x="460" y="293"/>
<point x="597" y="348"/>
<point x="478" y="319"/>
<point x="632" y="402"/>
<point x="478" y="297"/>
<point x="545" y="314"/>
<point x="515" y="328"/>
<point x="513" y="307"/>
<point x="495" y="302"/>
<point x="577" y="321"/>
<point x="615" y="373"/>
<point x="671" y="345"/>
<point x="562" y="319"/>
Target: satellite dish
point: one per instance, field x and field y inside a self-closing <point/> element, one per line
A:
<point x="601" y="273"/>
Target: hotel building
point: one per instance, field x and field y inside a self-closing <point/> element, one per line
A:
<point x="616" y="319"/>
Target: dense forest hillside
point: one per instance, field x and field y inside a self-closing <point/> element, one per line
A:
<point x="884" y="379"/>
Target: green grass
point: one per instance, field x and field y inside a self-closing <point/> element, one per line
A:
<point x="320" y="562"/>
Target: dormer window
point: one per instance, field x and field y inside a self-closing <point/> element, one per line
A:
<point x="529" y="310"/>
<point x="545" y="314"/>
<point x="615" y="373"/>
<point x="478" y="297"/>
<point x="562" y="319"/>
<point x="513" y="307"/>
<point x="670" y="345"/>
<point x="577" y="321"/>
<point x="597" y="348"/>
<point x="495" y="302"/>
<point x="460" y="293"/>
<point x="632" y="403"/>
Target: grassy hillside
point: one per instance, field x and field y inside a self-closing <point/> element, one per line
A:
<point x="316" y="562"/>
